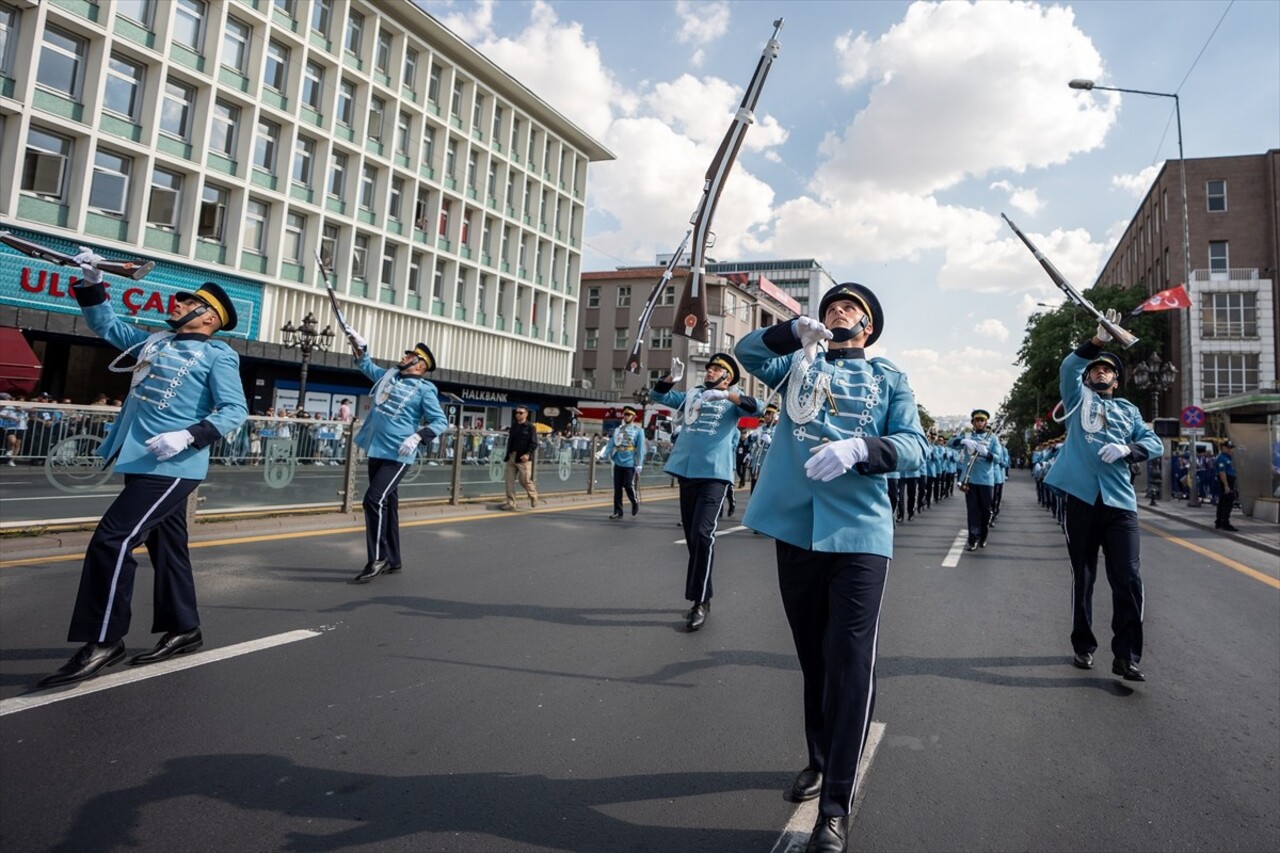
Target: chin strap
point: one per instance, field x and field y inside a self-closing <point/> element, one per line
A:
<point x="187" y="318"/>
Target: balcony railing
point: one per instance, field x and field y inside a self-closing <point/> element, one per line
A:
<point x="1234" y="274"/>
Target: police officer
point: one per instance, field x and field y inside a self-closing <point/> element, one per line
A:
<point x="1104" y="435"/>
<point x="980" y="461"/>
<point x="1225" y="469"/>
<point x="185" y="394"/>
<point x="702" y="462"/>
<point x="403" y="400"/>
<point x="847" y="420"/>
<point x="625" y="449"/>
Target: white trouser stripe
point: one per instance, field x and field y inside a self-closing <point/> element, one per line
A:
<point x="382" y="503"/>
<point x="125" y="548"/>
<point x="871" y="692"/>
<point x="711" y="548"/>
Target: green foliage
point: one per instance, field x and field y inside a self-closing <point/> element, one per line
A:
<point x="926" y="419"/>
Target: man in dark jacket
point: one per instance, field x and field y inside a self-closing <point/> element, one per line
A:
<point x="522" y="441"/>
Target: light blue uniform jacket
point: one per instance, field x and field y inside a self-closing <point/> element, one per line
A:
<point x="1000" y="465"/>
<point x="874" y="401"/>
<point x="1078" y="470"/>
<point x="409" y="401"/>
<point x="705" y="448"/>
<point x="193" y="383"/>
<point x="626" y="446"/>
<point x="983" y="472"/>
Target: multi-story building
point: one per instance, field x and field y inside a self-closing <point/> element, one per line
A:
<point x="803" y="279"/>
<point x="1229" y="337"/>
<point x="235" y="140"/>
<point x="611" y="308"/>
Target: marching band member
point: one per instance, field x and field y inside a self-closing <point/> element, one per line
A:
<point x="186" y="393"/>
<point x="402" y="400"/>
<point x="981" y="446"/>
<point x="1104" y="434"/>
<point x="702" y="461"/>
<point x="764" y="438"/>
<point x="625" y="449"/>
<point x="847" y="421"/>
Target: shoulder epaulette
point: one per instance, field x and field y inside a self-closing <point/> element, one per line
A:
<point x="885" y="363"/>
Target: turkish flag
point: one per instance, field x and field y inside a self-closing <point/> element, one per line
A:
<point x="1165" y="300"/>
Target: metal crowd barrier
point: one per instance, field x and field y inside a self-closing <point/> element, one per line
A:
<point x="50" y="473"/>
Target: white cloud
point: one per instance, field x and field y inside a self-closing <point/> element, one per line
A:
<point x="1137" y="185"/>
<point x="471" y="22"/>
<point x="956" y="380"/>
<point x="992" y="328"/>
<point x="1022" y="198"/>
<point x="701" y="23"/>
<point x="1005" y="265"/>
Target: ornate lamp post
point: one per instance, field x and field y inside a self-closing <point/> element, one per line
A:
<point x="306" y="339"/>
<point x="1157" y="376"/>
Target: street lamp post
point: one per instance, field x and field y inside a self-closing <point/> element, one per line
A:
<point x="306" y="338"/>
<point x="1089" y="85"/>
<point x="1158" y="376"/>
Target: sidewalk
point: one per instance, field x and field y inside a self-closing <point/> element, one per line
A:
<point x="1259" y="534"/>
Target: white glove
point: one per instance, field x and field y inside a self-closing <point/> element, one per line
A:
<point x="88" y="262"/>
<point x="766" y="440"/>
<point x="600" y="457"/>
<point x="834" y="458"/>
<point x="970" y="445"/>
<point x="167" y="445"/>
<point x="1111" y="452"/>
<point x="810" y="331"/>
<point x="715" y="394"/>
<point x="410" y="445"/>
<point x="677" y="370"/>
<point x="639" y="468"/>
<point x="358" y="340"/>
<point x="1113" y="317"/>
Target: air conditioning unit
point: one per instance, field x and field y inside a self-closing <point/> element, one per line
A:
<point x="584" y="384"/>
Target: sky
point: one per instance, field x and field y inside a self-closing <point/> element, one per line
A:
<point x="889" y="138"/>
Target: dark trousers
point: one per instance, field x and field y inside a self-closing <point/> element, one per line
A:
<point x="997" y="492"/>
<point x="1226" y="500"/>
<point x="977" y="502"/>
<point x="1115" y="531"/>
<point x="910" y="485"/>
<point x="832" y="603"/>
<point x="926" y="492"/>
<point x="151" y="510"/>
<point x="894" y="485"/>
<point x="700" y="502"/>
<point x="382" y="510"/>
<point x="624" y="479"/>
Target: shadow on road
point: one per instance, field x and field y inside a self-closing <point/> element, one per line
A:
<point x="994" y="670"/>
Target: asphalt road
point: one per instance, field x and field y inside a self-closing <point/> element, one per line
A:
<point x="527" y="685"/>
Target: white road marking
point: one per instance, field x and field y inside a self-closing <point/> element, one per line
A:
<point x="141" y="673"/>
<point x="718" y="533"/>
<point x="957" y="548"/>
<point x="796" y="834"/>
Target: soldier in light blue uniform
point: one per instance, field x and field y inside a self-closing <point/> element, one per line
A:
<point x="186" y="392"/>
<point x="702" y="460"/>
<point x="1000" y="472"/>
<point x="1104" y="435"/>
<point x="847" y="421"/>
<point x="763" y="440"/>
<point x="981" y="452"/>
<point x="402" y="401"/>
<point x="625" y="449"/>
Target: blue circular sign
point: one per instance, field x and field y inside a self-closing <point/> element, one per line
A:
<point x="1193" y="416"/>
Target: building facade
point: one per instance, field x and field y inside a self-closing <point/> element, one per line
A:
<point x="236" y="140"/>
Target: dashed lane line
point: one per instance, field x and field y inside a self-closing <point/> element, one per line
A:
<point x="957" y="548"/>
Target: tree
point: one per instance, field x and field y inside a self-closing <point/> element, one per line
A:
<point x="926" y="419"/>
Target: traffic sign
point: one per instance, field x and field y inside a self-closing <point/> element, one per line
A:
<point x="1192" y="416"/>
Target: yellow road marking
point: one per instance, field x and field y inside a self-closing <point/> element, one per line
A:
<point x="1217" y="558"/>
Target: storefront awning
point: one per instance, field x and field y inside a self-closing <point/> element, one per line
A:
<point x="19" y="367"/>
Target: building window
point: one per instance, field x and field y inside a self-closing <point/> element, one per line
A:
<point x="295" y="230"/>
<point x="589" y="378"/>
<point x="346" y="103"/>
<point x="175" y="111"/>
<point x="1216" y="191"/>
<point x="402" y="134"/>
<point x="624" y="297"/>
<point x="444" y="217"/>
<point x="1229" y="315"/>
<point x="321" y="15"/>
<point x="304" y="155"/>
<point x="329" y="244"/>
<point x="1219" y="258"/>
<point x="360" y="257"/>
<point x="593" y="297"/>
<point x="44" y="166"/>
<point x="668" y="296"/>
<point x="619" y="379"/>
<point x="433" y="84"/>
<point x="591" y="339"/>
<point x="388" y="273"/>
<point x="256" y="215"/>
<point x="165" y="201"/>
<point x="338" y="176"/>
<point x="368" y="186"/>
<point x="188" y="24"/>
<point x="122" y="94"/>
<point x="515" y="134"/>
<point x="415" y="273"/>
<point x="138" y="11"/>
<point x="450" y="159"/>
<point x="660" y="339"/>
<point x="313" y="85"/>
<point x="382" y="53"/>
<point x="1227" y="374"/>
<point x="656" y="376"/>
<point x="620" y="337"/>
<point x="472" y="163"/>
<point x="62" y="59"/>
<point x="213" y="213"/>
<point x="455" y="105"/>
<point x="288" y="8"/>
<point x="477" y="112"/>
<point x="222" y="132"/>
<point x="377" y="113"/>
<point x="235" y="46"/>
<point x="421" y="203"/>
<point x="497" y="123"/>
<point x="395" y="200"/>
<point x="428" y="147"/>
<point x="355" y="33"/>
<point x="410" y="72"/>
<point x="8" y="39"/>
<point x="265" y="146"/>
<point x="276" y="75"/>
<point x="109" y="191"/>
<point x="437" y="282"/>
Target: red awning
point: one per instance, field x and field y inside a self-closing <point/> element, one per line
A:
<point x="19" y="367"/>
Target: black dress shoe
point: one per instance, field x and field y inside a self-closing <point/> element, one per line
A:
<point x="982" y="543"/>
<point x="371" y="571"/>
<point x="391" y="570"/>
<point x="830" y="835"/>
<point x="807" y="785"/>
<point x="635" y="509"/>
<point x="86" y="663"/>
<point x="698" y="615"/>
<point x="1230" y="527"/>
<point x="1082" y="660"/>
<point x="972" y="546"/>
<point x="172" y="643"/>
<point x="1128" y="670"/>
<point x="615" y="515"/>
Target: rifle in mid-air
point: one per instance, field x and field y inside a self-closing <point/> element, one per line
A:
<point x="136" y="270"/>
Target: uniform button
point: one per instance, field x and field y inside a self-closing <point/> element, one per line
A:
<point x="839" y="364"/>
